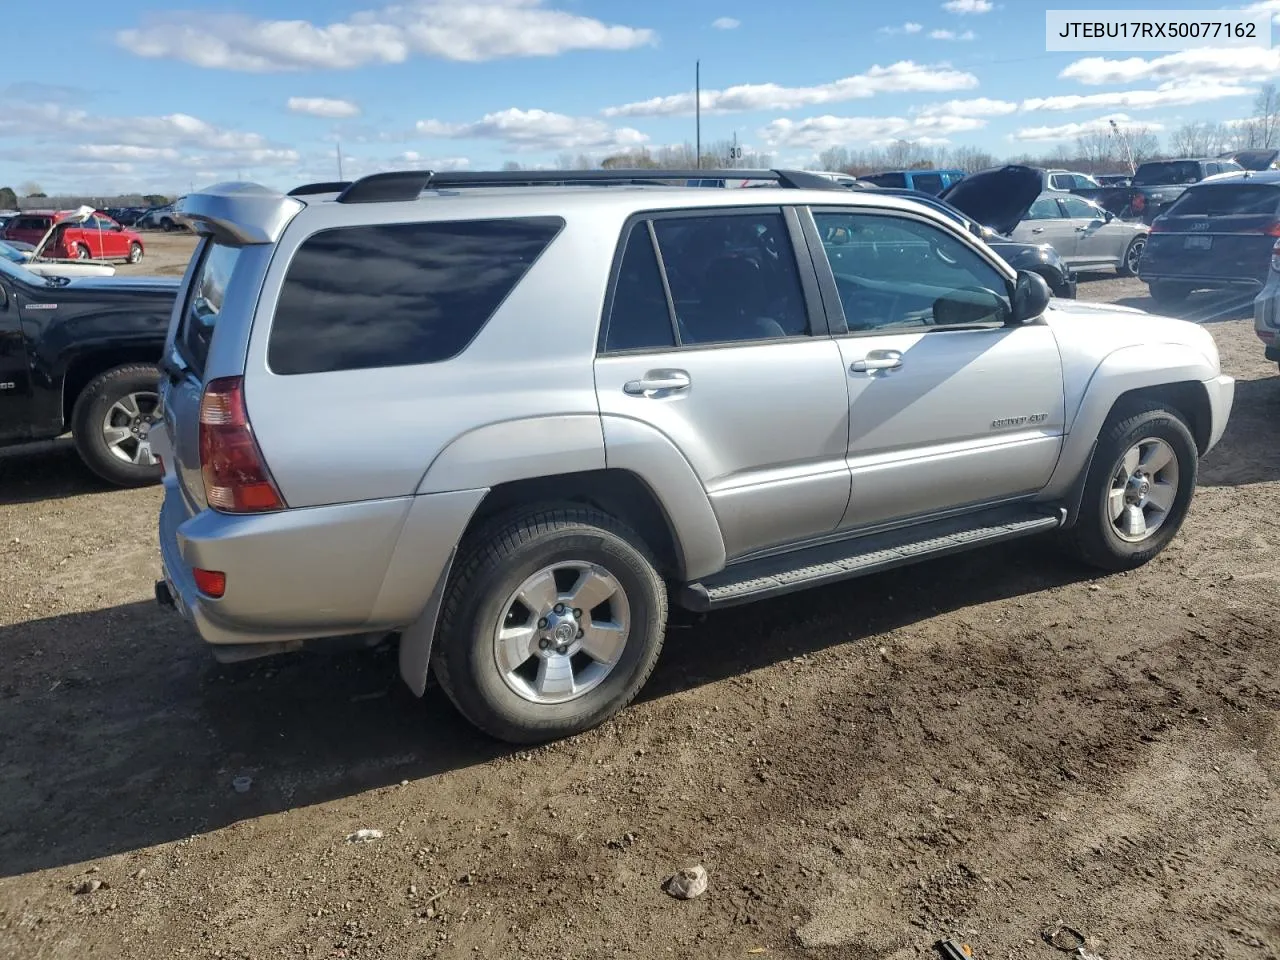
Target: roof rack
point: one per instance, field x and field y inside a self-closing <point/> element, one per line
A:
<point x="324" y="186"/>
<point x="409" y="184"/>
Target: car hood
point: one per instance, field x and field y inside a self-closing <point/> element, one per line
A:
<point x="1098" y="329"/>
<point x="127" y="284"/>
<point x="999" y="197"/>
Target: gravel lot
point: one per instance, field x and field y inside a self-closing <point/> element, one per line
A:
<point x="980" y="746"/>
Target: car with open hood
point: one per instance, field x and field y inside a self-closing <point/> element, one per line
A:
<point x="1017" y="201"/>
<point x="80" y="234"/>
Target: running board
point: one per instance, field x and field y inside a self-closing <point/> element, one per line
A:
<point x="830" y="562"/>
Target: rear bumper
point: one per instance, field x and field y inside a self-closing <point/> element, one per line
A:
<point x="312" y="572"/>
<point x="1201" y="282"/>
<point x="1222" y="392"/>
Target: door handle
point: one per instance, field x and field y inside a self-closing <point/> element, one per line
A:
<point x="1081" y="229"/>
<point x="877" y="360"/>
<point x="657" y="381"/>
<point x="1037" y="229"/>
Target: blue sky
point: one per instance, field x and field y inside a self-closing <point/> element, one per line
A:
<point x="161" y="100"/>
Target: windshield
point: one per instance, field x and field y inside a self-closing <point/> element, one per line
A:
<point x="1167" y="171"/>
<point x="1244" y="199"/>
<point x="10" y="254"/>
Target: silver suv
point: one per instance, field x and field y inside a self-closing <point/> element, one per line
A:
<point x="516" y="419"/>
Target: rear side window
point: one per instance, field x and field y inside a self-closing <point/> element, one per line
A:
<point x="31" y="223"/>
<point x="1167" y="172"/>
<point x="928" y="182"/>
<point x="204" y="304"/>
<point x="398" y="294"/>
<point x="640" y="317"/>
<point x="1227" y="200"/>
<point x="887" y="180"/>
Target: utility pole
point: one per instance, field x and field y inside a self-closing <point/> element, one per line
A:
<point x="339" y="149"/>
<point x="1124" y="142"/>
<point x="697" y="109"/>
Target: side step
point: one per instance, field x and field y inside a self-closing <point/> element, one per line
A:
<point x="829" y="562"/>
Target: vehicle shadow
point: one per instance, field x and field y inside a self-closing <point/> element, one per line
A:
<point x="1205" y="306"/>
<point x="121" y="733"/>
<point x="46" y="470"/>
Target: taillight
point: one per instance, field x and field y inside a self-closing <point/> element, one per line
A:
<point x="1272" y="229"/>
<point x="236" y="479"/>
<point x="1139" y="202"/>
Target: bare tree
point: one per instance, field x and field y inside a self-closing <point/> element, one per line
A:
<point x="1097" y="148"/>
<point x="564" y="161"/>
<point x="584" y="162"/>
<point x="30" y="189"/>
<point x="511" y="165"/>
<point x="833" y="159"/>
<point x="1265" y="125"/>
<point x="1143" y="144"/>
<point x="971" y="159"/>
<point x="1200" y="139"/>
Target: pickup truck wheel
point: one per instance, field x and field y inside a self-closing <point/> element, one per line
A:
<point x="1168" y="294"/>
<point x="112" y="421"/>
<point x="551" y="623"/>
<point x="166" y="225"/>
<point x="1139" y="487"/>
<point x="1129" y="265"/>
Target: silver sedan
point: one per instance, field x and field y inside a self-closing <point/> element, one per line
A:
<point x="1085" y="235"/>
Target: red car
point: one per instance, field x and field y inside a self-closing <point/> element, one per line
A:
<point x="76" y="236"/>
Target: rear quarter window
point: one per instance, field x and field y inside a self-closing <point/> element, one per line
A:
<point x="204" y="303"/>
<point x="398" y="294"/>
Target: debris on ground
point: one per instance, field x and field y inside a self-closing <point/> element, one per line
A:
<point x="242" y="784"/>
<point x="688" y="883"/>
<point x="953" y="950"/>
<point x="364" y="836"/>
<point x="90" y="886"/>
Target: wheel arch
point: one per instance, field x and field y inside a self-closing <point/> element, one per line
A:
<point x="84" y="367"/>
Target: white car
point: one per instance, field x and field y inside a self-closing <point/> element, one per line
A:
<point x="23" y="254"/>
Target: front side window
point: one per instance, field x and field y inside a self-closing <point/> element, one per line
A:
<point x="894" y="273"/>
<point x="1079" y="209"/>
<point x="732" y="277"/>
<point x="398" y="294"/>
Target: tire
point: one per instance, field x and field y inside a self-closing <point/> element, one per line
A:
<point x="82" y="252"/>
<point x="1167" y="293"/>
<point x="108" y="395"/>
<point x="1097" y="538"/>
<point x="135" y="252"/>
<point x="166" y="225"/>
<point x="494" y="564"/>
<point x="1133" y="253"/>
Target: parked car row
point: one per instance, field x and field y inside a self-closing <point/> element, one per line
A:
<point x="84" y="234"/>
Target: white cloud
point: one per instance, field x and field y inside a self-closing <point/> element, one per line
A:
<point x="1265" y="6"/>
<point x="909" y="27"/>
<point x="52" y="121"/>
<point x="538" y="130"/>
<point x="460" y="30"/>
<point x="968" y="6"/>
<point x="1204" y="63"/>
<point x="726" y="23"/>
<point x="1069" y="131"/>
<point x="818" y="133"/>
<point x="415" y="159"/>
<point x="977" y="107"/>
<point x="1166" y="95"/>
<point x="121" y="152"/>
<point x="324" y="107"/>
<point x="952" y="35"/>
<point x="905" y="76"/>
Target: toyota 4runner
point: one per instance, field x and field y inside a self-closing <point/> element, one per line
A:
<point x="516" y="418"/>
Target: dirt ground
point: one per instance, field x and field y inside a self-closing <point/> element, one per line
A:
<point x="165" y="254"/>
<point x="981" y="746"/>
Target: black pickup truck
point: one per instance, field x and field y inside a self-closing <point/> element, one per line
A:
<point x="81" y="355"/>
<point x="1155" y="186"/>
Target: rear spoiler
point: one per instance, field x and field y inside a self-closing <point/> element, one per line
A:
<point x="239" y="213"/>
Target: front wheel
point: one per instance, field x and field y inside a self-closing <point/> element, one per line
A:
<point x="166" y="225"/>
<point x="112" y="421"/>
<point x="551" y="623"/>
<point x="1129" y="265"/>
<point x="1138" y="489"/>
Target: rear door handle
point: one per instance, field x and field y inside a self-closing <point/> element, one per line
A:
<point x="877" y="360"/>
<point x="1037" y="229"/>
<point x="657" y="382"/>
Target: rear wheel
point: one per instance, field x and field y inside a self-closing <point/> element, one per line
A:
<point x="112" y="421"/>
<point x="1139" y="487"/>
<point x="551" y="623"/>
<point x="82" y="252"/>
<point x="166" y="225"/>
<point x="1129" y="265"/>
<point x="135" y="252"/>
<point x="1167" y="293"/>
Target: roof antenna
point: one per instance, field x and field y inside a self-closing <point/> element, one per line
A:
<point x="339" y="147"/>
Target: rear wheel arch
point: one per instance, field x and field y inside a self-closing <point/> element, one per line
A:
<point x="618" y="493"/>
<point x="84" y="367"/>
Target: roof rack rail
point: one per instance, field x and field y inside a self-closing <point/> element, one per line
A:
<point x="324" y="186"/>
<point x="409" y="184"/>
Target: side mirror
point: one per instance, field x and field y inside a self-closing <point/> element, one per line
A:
<point x="1108" y="215"/>
<point x="1030" y="296"/>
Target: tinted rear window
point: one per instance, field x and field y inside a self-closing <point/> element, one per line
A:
<point x="928" y="182"/>
<point x="1233" y="200"/>
<point x="1167" y="171"/>
<point x="887" y="180"/>
<point x="30" y="223"/>
<point x="398" y="294"/>
<point x="204" y="303"/>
